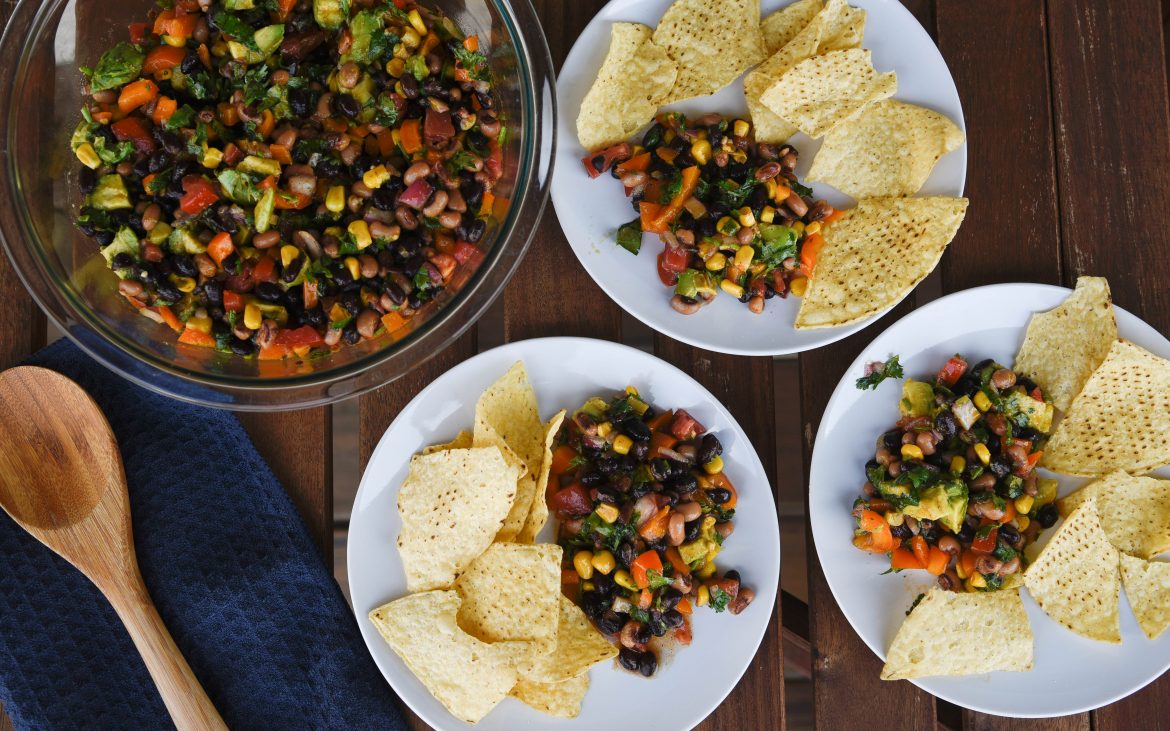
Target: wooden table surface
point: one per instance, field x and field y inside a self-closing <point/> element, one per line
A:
<point x="1069" y="134"/>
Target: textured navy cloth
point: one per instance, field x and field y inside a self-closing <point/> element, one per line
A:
<point x="230" y="565"/>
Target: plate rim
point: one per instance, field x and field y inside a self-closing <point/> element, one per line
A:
<point x="753" y="464"/>
<point x="833" y="334"/>
<point x="839" y="392"/>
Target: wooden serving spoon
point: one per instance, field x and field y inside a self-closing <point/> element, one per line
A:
<point x="61" y="479"/>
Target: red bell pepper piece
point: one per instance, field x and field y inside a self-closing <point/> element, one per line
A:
<point x="952" y="371"/>
<point x="303" y="336"/>
<point x="134" y="130"/>
<point x="198" y="194"/>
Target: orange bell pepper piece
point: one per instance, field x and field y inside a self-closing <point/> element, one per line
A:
<point x="221" y="247"/>
<point x="137" y="94"/>
<point x="648" y="561"/>
<point x="410" y="137"/>
<point x="902" y="559"/>
<point x="690" y="181"/>
<point x="197" y="337"/>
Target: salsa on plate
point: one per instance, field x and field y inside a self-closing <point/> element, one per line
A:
<point x="644" y="509"/>
<point x="952" y="488"/>
<point x="273" y="177"/>
<point x="730" y="211"/>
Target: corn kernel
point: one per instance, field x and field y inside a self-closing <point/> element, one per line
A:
<point x="604" y="428"/>
<point x="622" y="578"/>
<point x="701" y="151"/>
<point x="982" y="402"/>
<point x="983" y="453"/>
<point x="958" y="464"/>
<point x="912" y="451"/>
<point x="335" y="199"/>
<point x="962" y="573"/>
<point x="288" y="254"/>
<point x="183" y="284"/>
<point x="355" y="268"/>
<point x="375" y="177"/>
<point x="798" y="286"/>
<point x="741" y="128"/>
<point x="767" y="214"/>
<point x="583" y="563"/>
<point x="604" y="562"/>
<point x="588" y="586"/>
<point x="212" y="157"/>
<point x="1023" y="521"/>
<point x="731" y="288"/>
<point x="88" y="156"/>
<point x="622" y="444"/>
<point x="175" y="41"/>
<point x="361" y="233"/>
<point x="160" y="232"/>
<point x="708" y="523"/>
<point x="1024" y="504"/>
<point x="396" y="67"/>
<point x="704" y="595"/>
<point x="708" y="569"/>
<point x="977" y="581"/>
<point x="798" y="227"/>
<point x="417" y="21"/>
<point x="770" y="188"/>
<point x="219" y="49"/>
<point x="410" y="39"/>
<point x="714" y="467"/>
<point x="743" y="257"/>
<point x="639" y="406"/>
<point x="252" y="317"/>
<point x="813" y="228"/>
<point x="716" y="263"/>
<point x="895" y="518"/>
<point x="608" y="513"/>
<point x="337" y="313"/>
<point x="202" y="324"/>
<point x="746" y="217"/>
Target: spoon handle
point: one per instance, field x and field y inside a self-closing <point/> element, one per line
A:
<point x="184" y="697"/>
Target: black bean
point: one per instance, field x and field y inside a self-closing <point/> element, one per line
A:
<point x="299" y="102"/>
<point x="643" y="635"/>
<point x="168" y="292"/>
<point x="647" y="664"/>
<point x="673" y="619"/>
<point x="314" y="317"/>
<point x="657" y="625"/>
<point x="901" y="530"/>
<point x="1047" y="516"/>
<point x="385" y="198"/>
<point x="350" y="334"/>
<point x="683" y="484"/>
<point x="341" y="275"/>
<point x="415" y="302"/>
<point x="626" y="553"/>
<point x="630" y="659"/>
<point x="184" y="264"/>
<point x="293" y="270"/>
<point x="104" y="238"/>
<point x="213" y="291"/>
<point x="592" y="478"/>
<point x="269" y="292"/>
<point x="719" y="495"/>
<point x="473" y="228"/>
<point x="122" y="261"/>
<point x="190" y="63"/>
<point x="709" y="448"/>
<point x="611" y="622"/>
<point x="604" y="584"/>
<point x="349" y="106"/>
<point x="693" y="529"/>
<point x="640" y="450"/>
<point x="242" y="347"/>
<point x="670" y="598"/>
<point x="945" y="425"/>
<point x="636" y="429"/>
<point x="329" y="168"/>
<point x="1001" y="466"/>
<point x="409" y="86"/>
<point x="966" y="533"/>
<point x="352" y="302"/>
<point x="361" y="164"/>
<point x="1010" y="535"/>
<point x="142" y="166"/>
<point x="593" y="604"/>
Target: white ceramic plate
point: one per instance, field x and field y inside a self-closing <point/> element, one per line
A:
<point x="590" y="211"/>
<point x="565" y="372"/>
<point x="1071" y="674"/>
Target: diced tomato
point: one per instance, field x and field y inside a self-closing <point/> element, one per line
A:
<point x="648" y="561"/>
<point x="264" y="270"/>
<point x="1037" y="394"/>
<point x="233" y="302"/>
<point x="562" y="457"/>
<point x="1029" y="464"/>
<point x="682" y="635"/>
<point x="302" y="337"/>
<point x="1009" y="512"/>
<point x="966" y="564"/>
<point x="686" y="426"/>
<point x="417" y="194"/>
<point x="138" y="32"/>
<point x="952" y="371"/>
<point x="572" y="500"/>
<point x="465" y="253"/>
<point x="284" y="9"/>
<point x="198" y="194"/>
<point x="291" y="200"/>
<point x="134" y="130"/>
<point x="169" y="23"/>
<point x="670" y="263"/>
<point x="597" y="163"/>
<point x="684" y="606"/>
<point x="809" y="250"/>
<point x="987" y="543"/>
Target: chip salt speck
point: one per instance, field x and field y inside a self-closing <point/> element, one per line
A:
<point x="821" y="92"/>
<point x="874" y="255"/>
<point x="712" y="41"/>
<point x="961" y="633"/>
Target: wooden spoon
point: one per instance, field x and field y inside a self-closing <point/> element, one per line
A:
<point x="61" y="479"/>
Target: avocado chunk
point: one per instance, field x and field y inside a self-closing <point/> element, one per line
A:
<point x="264" y="209"/>
<point x="945" y="502"/>
<point x="266" y="41"/>
<point x="330" y="14"/>
<point x="259" y="166"/>
<point x="917" y="398"/>
<point x="125" y="242"/>
<point x="110" y="194"/>
<point x="1019" y="406"/>
<point x="364" y="26"/>
<point x="238" y="4"/>
<point x="181" y="241"/>
<point x="695" y="550"/>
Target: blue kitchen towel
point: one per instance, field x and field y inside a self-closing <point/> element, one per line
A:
<point x="229" y="563"/>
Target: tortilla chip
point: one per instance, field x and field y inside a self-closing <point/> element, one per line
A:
<point x="844" y="27"/>
<point x="452" y="505"/>
<point x="1063" y="346"/>
<point x="634" y="79"/>
<point x="822" y="92"/>
<point x="538" y="513"/>
<point x="781" y="27"/>
<point x="961" y="633"/>
<point x="510" y="594"/>
<point x="1135" y="511"/>
<point x="712" y="41"/>
<point x="874" y="255"/>
<point x="887" y="150"/>
<point x="1119" y="421"/>
<point x="1147" y="584"/>
<point x="467" y="676"/>
<point x="462" y="440"/>
<point x="579" y="647"/>
<point x="562" y="700"/>
<point x="1075" y="578"/>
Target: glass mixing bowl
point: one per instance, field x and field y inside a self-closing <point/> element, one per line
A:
<point x="44" y="43"/>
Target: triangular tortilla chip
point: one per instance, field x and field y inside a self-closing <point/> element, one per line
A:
<point x="1119" y="421"/>
<point x="467" y="676"/>
<point x="961" y="633"/>
<point x="844" y="27"/>
<point x="1147" y="584"/>
<point x="634" y="79"/>
<point x="462" y="440"/>
<point x="562" y="700"/>
<point x="1135" y="511"/>
<point x="874" y="256"/>
<point x="1075" y="578"/>
<point x="510" y="593"/>
<point x="579" y="647"/>
<point x="781" y="27"/>
<point x="712" y="41"/>
<point x="538" y="513"/>
<point x="1063" y="346"/>
<point x="887" y="150"/>
<point x="822" y="92"/>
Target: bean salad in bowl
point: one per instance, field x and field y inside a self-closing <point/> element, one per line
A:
<point x="279" y="178"/>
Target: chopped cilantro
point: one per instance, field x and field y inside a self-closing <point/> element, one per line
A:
<point x="657" y="580"/>
<point x="719" y="599"/>
<point x="917" y="600"/>
<point x="880" y="372"/>
<point x="473" y="62"/>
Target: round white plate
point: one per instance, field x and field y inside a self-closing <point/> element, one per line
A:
<point x="565" y="372"/>
<point x="590" y="211"/>
<point x="1071" y="673"/>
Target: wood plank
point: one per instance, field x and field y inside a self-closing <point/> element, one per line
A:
<point x="1111" y="96"/>
<point x="744" y="386"/>
<point x="984" y="722"/>
<point x="843" y="666"/>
